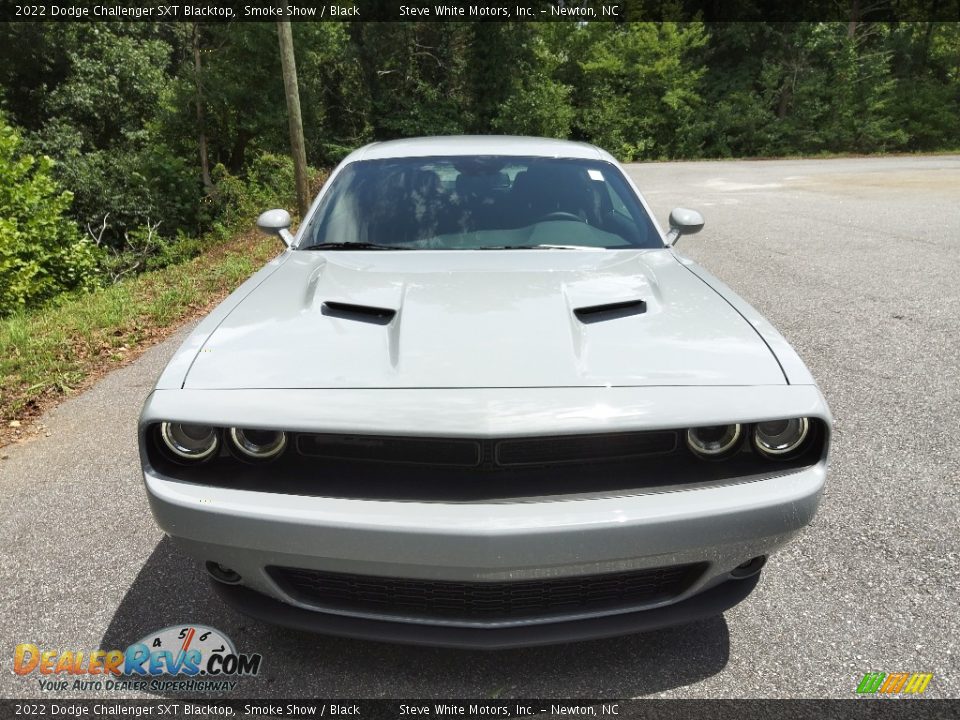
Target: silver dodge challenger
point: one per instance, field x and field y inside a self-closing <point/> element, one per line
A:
<point x="480" y="400"/>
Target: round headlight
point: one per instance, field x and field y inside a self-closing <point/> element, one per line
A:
<point x="714" y="441"/>
<point x="258" y="444"/>
<point x="776" y="438"/>
<point x="190" y="442"/>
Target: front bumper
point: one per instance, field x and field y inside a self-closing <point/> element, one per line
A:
<point x="716" y="526"/>
<point x="719" y="526"/>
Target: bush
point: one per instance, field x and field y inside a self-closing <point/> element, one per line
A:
<point x="42" y="253"/>
<point x="268" y="183"/>
<point x="126" y="250"/>
<point x="140" y="181"/>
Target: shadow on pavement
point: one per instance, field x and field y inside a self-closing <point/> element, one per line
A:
<point x="172" y="588"/>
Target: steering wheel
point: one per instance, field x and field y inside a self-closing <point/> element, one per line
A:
<point x="560" y="215"/>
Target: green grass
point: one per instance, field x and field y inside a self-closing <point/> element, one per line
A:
<point x="53" y="351"/>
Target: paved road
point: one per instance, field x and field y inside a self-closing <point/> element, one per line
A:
<point x="856" y="261"/>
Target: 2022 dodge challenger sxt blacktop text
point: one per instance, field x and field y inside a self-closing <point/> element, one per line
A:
<point x="480" y="400"/>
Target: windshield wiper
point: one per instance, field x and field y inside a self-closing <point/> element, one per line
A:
<point x="352" y="246"/>
<point x="539" y="247"/>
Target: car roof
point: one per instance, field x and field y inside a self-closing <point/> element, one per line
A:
<point x="478" y="145"/>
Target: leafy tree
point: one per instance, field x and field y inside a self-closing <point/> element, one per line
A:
<point x="534" y="101"/>
<point x="336" y="101"/>
<point x="41" y="251"/>
<point x="926" y="69"/>
<point x="417" y="75"/>
<point x="638" y="87"/>
<point x="106" y="86"/>
<point x="113" y="87"/>
<point x="748" y="93"/>
<point x="842" y="99"/>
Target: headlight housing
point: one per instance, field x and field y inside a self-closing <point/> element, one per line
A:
<point x="714" y="441"/>
<point x="258" y="444"/>
<point x="780" y="438"/>
<point x="188" y="441"/>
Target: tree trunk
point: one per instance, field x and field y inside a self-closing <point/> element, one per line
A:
<point x="201" y="115"/>
<point x="292" y="91"/>
<point x="238" y="151"/>
<point x="854" y="19"/>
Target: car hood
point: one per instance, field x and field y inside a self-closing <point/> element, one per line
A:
<point x="494" y="319"/>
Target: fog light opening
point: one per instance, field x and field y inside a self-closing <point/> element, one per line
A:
<point x="223" y="574"/>
<point x="749" y="568"/>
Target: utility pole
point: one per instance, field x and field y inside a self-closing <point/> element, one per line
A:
<point x="289" y="66"/>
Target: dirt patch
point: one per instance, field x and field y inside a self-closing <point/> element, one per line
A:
<point x="940" y="181"/>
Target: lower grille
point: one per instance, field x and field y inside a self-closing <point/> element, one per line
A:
<point x="485" y="600"/>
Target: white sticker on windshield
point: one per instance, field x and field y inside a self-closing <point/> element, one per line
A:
<point x="595" y="175"/>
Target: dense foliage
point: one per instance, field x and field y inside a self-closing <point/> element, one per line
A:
<point x="41" y="252"/>
<point x="164" y="131"/>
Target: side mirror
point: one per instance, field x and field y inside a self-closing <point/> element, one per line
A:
<point x="683" y="222"/>
<point x="276" y="222"/>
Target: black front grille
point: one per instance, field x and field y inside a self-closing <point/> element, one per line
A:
<point x="583" y="448"/>
<point x="485" y="600"/>
<point x="402" y="450"/>
<point x="496" y="453"/>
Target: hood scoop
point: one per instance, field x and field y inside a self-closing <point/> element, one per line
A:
<point x="610" y="311"/>
<point x="358" y="313"/>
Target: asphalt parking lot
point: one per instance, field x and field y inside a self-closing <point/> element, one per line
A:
<point x="856" y="261"/>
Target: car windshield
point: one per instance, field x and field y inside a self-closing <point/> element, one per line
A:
<point x="477" y="203"/>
